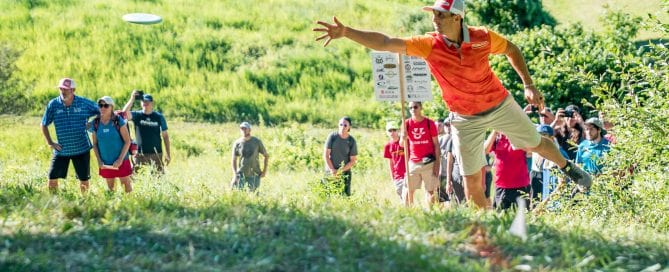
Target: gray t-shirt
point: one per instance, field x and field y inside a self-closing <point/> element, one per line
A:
<point x="341" y="149"/>
<point x="456" y="165"/>
<point x="249" y="151"/>
<point x="443" y="145"/>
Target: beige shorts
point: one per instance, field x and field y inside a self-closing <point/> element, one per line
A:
<point x="422" y="173"/>
<point x="469" y="133"/>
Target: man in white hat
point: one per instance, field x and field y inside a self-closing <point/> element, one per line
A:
<point x="245" y="164"/>
<point x="458" y="58"/>
<point x="394" y="152"/>
<point x="70" y="114"/>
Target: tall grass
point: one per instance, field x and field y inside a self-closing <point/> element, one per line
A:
<point x="189" y="219"/>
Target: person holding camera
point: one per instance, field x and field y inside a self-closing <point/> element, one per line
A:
<point x="424" y="154"/>
<point x="150" y="132"/>
<point x="566" y="121"/>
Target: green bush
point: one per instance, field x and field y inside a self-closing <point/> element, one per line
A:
<point x="13" y="92"/>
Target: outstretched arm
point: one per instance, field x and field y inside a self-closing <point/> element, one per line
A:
<point x="515" y="57"/>
<point x="369" y="39"/>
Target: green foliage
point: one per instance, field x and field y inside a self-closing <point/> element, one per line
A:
<point x="566" y="63"/>
<point x="13" y="92"/>
<point x="189" y="219"/>
<point x="508" y="16"/>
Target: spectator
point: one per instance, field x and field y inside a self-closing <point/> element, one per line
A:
<point x="539" y="175"/>
<point x="444" y="130"/>
<point x="454" y="184"/>
<point x="340" y="154"/>
<point x="591" y="150"/>
<point x="150" y="125"/>
<point x="245" y="163"/>
<point x="70" y="114"/>
<point x="111" y="142"/>
<point x="511" y="177"/>
<point x="394" y="152"/>
<point x="424" y="157"/>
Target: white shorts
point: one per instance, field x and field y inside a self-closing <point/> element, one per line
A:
<point x="469" y="133"/>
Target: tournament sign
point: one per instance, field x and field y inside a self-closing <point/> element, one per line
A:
<point x="386" y="76"/>
<point x="418" y="80"/>
<point x="386" y="73"/>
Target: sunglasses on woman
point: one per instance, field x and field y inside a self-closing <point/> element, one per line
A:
<point x="103" y="105"/>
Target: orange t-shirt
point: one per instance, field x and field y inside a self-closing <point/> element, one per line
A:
<point x="468" y="85"/>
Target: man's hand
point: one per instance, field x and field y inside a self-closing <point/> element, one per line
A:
<point x="235" y="181"/>
<point x="534" y="97"/>
<point x="56" y="146"/>
<point x="332" y="31"/>
<point x="449" y="186"/>
<point x="435" y="168"/>
<point x="333" y="171"/>
<point x="167" y="159"/>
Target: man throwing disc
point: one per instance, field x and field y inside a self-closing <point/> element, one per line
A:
<point x="458" y="58"/>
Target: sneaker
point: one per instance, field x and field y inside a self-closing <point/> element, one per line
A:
<point x="577" y="175"/>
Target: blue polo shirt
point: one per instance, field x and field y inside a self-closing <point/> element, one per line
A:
<point x="70" y="123"/>
<point x="590" y="153"/>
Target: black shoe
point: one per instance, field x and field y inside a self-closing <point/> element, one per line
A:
<point x="577" y="175"/>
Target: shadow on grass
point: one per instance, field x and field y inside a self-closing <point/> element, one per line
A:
<point x="228" y="235"/>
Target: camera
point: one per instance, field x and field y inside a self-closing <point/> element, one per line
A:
<point x="568" y="113"/>
<point x="139" y="95"/>
<point x="534" y="108"/>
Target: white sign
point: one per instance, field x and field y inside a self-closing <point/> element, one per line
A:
<point x="385" y="71"/>
<point x="418" y="80"/>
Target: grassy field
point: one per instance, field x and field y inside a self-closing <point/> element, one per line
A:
<point x="190" y="220"/>
<point x="588" y="12"/>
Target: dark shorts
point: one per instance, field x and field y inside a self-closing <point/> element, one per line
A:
<point x="155" y="159"/>
<point x="506" y="198"/>
<point x="81" y="162"/>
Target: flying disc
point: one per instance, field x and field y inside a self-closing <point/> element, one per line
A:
<point x="142" y="18"/>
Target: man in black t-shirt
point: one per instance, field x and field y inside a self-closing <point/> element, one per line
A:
<point x="150" y="132"/>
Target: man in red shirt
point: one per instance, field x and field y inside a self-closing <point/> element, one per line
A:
<point x="511" y="177"/>
<point x="394" y="152"/>
<point x="424" y="154"/>
<point x="458" y="58"/>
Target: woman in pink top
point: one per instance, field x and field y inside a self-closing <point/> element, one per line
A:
<point x="512" y="179"/>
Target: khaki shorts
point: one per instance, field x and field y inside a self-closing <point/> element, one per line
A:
<point x="422" y="173"/>
<point x="469" y="132"/>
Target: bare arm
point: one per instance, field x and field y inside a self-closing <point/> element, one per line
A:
<point x="168" y="154"/>
<point x="487" y="145"/>
<point x="515" y="57"/>
<point x="350" y="164"/>
<point x="94" y="139"/>
<point x="328" y="161"/>
<point x="437" y="156"/>
<point x="369" y="39"/>
<point x="264" y="165"/>
<point x="47" y="137"/>
<point x="128" y="105"/>
<point x="126" y="145"/>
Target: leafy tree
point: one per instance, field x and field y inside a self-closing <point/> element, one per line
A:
<point x="508" y="16"/>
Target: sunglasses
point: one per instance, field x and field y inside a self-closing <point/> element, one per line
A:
<point x="343" y="125"/>
<point x="104" y="105"/>
<point x="415" y="107"/>
<point x="392" y="130"/>
<point x="543" y="115"/>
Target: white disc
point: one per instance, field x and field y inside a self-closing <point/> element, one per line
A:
<point x="142" y="18"/>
